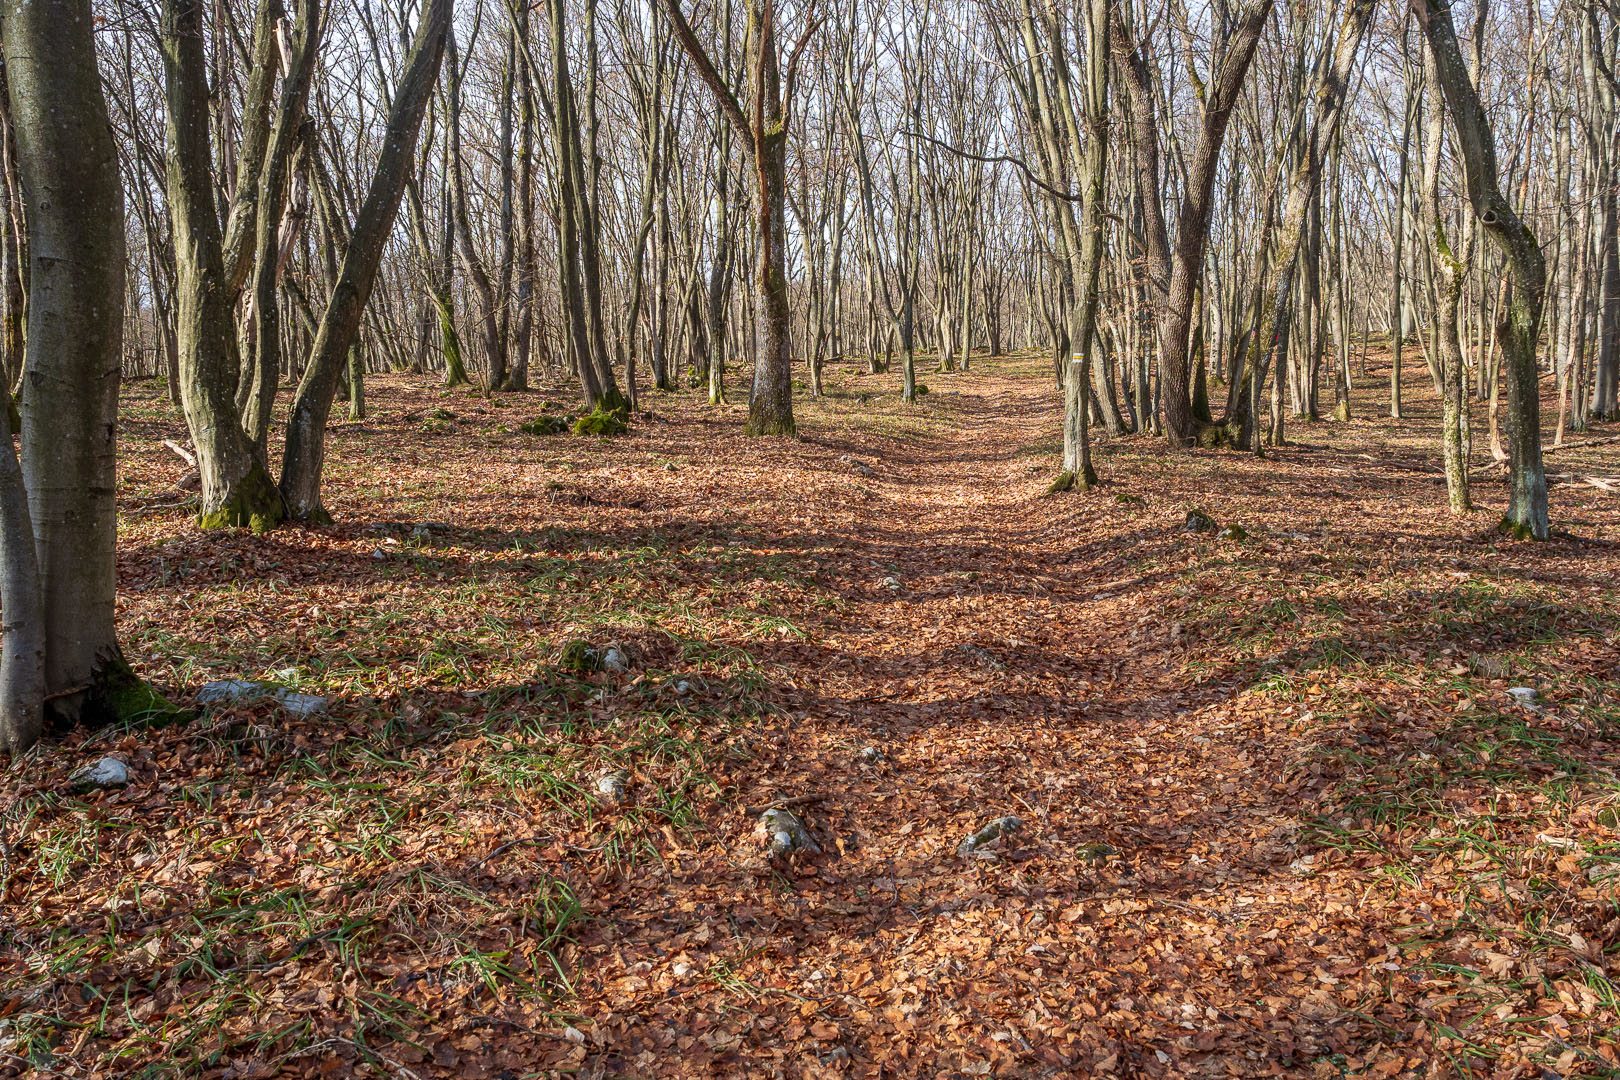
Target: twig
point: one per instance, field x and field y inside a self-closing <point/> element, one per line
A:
<point x="996" y="159"/>
<point x="783" y="804"/>
<point x="185" y="455"/>
<point x="364" y="1051"/>
<point x="69" y="692"/>
<point x="504" y="848"/>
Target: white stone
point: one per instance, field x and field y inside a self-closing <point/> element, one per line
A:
<point x="232" y="690"/>
<point x="107" y="773"/>
<point x="613" y="659"/>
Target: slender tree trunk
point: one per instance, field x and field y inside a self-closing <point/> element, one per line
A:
<point x="1519" y="326"/>
<point x="312" y="405"/>
<point x="73" y="197"/>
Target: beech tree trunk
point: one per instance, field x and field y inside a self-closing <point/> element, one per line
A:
<point x="73" y="196"/>
<point x="236" y="484"/>
<point x="1519" y="325"/>
<point x="312" y="406"/>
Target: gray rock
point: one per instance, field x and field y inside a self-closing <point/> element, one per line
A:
<point x="988" y="834"/>
<point x="1233" y="532"/>
<point x="1489" y="667"/>
<point x="610" y="787"/>
<point x="613" y="659"/>
<point x="859" y="466"/>
<point x="784" y="833"/>
<point x="1527" y="696"/>
<point x="1199" y="522"/>
<point x="871" y="755"/>
<point x="109" y="772"/>
<point x="239" y="690"/>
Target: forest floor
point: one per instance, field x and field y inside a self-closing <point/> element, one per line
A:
<point x="1280" y="815"/>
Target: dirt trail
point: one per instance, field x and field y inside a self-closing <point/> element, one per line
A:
<point x="1003" y="660"/>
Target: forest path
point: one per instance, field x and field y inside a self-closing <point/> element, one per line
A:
<point x="1004" y="657"/>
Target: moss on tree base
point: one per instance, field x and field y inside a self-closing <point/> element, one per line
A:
<point x="256" y="504"/>
<point x="115" y="695"/>
<point x="1220" y="436"/>
<point x="760" y="426"/>
<point x="1519" y="530"/>
<point x="1069" y="481"/>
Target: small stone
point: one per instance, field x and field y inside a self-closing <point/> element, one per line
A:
<point x="613" y="659"/>
<point x="610" y="786"/>
<point x="574" y="1035"/>
<point x="871" y="755"/>
<point x="190" y="480"/>
<point x="1524" y="695"/>
<point x="1096" y="851"/>
<point x="1489" y="667"/>
<point x="784" y="833"/>
<point x="1199" y="522"/>
<point x="1233" y="532"/>
<point x="988" y="834"/>
<point x="379" y="554"/>
<point x="683" y="688"/>
<point x="859" y="466"/>
<point x="109" y="772"/>
<point x="892" y="584"/>
<point x="1609" y="817"/>
<point x="239" y="690"/>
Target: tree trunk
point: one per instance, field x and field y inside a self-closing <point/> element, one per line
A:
<point x="312" y="405"/>
<point x="236" y="485"/>
<point x="73" y="197"/>
<point x="1519" y="325"/>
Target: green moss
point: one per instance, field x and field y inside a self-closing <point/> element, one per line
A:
<point x="577" y="656"/>
<point x="116" y="695"/>
<point x="1217" y="436"/>
<point x="1130" y="500"/>
<point x="758" y="426"/>
<point x="614" y="404"/>
<point x="1341" y="412"/>
<point x="1069" y="481"/>
<point x="256" y="504"/>
<point x="600" y="421"/>
<point x="1200" y="401"/>
<point x="1519" y="530"/>
<point x="455" y="372"/>
<point x="547" y="425"/>
<point x="922" y="388"/>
